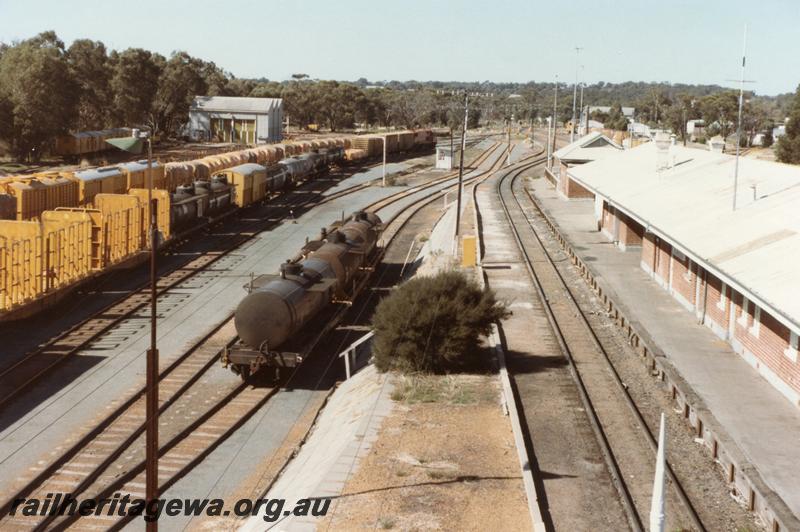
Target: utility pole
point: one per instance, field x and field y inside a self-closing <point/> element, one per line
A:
<point x="133" y="144"/>
<point x="383" y="180"/>
<point x="461" y="165"/>
<point x="508" y="144"/>
<point x="575" y="94"/>
<point x="739" y="126"/>
<point x="555" y="115"/>
<point x="451" y="148"/>
<point x="532" y="112"/>
<point x="581" y="113"/>
<point x="151" y="400"/>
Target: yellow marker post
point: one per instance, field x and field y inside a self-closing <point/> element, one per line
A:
<point x="468" y="252"/>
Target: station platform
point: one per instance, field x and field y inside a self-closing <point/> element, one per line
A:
<point x="756" y="426"/>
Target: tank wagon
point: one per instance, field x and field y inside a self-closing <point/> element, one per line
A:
<point x="272" y="319"/>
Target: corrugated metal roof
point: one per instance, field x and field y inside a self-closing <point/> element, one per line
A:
<point x="590" y="147"/>
<point x="754" y="248"/>
<point x="233" y="104"/>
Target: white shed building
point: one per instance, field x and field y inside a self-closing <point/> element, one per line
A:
<point x="237" y="120"/>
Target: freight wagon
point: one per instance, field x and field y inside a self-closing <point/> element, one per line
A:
<point x="86" y="221"/>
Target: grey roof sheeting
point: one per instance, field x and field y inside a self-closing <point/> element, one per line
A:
<point x="754" y="249"/>
<point x="233" y="104"/>
<point x="589" y="147"/>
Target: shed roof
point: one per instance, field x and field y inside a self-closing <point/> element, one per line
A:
<point x="234" y="104"/>
<point x="589" y="147"/>
<point x="754" y="248"/>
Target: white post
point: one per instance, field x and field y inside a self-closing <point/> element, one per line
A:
<point x="347" y="363"/>
<point x="657" y="517"/>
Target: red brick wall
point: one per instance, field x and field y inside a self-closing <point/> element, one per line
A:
<point x="630" y="231"/>
<point x="648" y="246"/>
<point x="663" y="260"/>
<point x="769" y="346"/>
<point x="607" y="223"/>
<point x="575" y="190"/>
<point x="713" y="312"/>
<point x="683" y="281"/>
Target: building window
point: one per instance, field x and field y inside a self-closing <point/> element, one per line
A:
<point x="722" y="299"/>
<point x="745" y="312"/>
<point x="687" y="275"/>
<point x="756" y="327"/>
<point x="791" y="351"/>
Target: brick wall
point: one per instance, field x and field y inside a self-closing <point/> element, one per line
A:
<point x="713" y="312"/>
<point x="765" y="348"/>
<point x="683" y="280"/>
<point x="630" y="231"/>
<point x="663" y="258"/>
<point x="607" y="221"/>
<point x="573" y="189"/>
<point x="648" y="246"/>
<point x="767" y="343"/>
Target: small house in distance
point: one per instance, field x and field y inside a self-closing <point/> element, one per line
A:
<point x="236" y="120"/>
<point x="447" y="156"/>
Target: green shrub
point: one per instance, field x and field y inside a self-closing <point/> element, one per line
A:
<point x="432" y="324"/>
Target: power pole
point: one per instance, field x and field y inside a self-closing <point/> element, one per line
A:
<point x="739" y="126"/>
<point x="575" y="93"/>
<point x="581" y="114"/>
<point x="555" y="115"/>
<point x="151" y="395"/>
<point x="461" y="164"/>
<point x="508" y="144"/>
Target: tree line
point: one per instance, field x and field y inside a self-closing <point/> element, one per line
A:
<point x="47" y="89"/>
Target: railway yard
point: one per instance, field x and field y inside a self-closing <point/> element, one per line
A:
<point x="573" y="397"/>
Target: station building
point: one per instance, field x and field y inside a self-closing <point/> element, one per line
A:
<point x="592" y="147"/>
<point x="236" y="120"/>
<point x="736" y="270"/>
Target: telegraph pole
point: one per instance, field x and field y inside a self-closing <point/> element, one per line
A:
<point x="508" y="145"/>
<point x="151" y="399"/>
<point x="555" y="115"/>
<point x="581" y="108"/>
<point x="739" y="126"/>
<point x="461" y="164"/>
<point x="575" y="93"/>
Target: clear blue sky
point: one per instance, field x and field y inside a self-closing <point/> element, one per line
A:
<point x="676" y="41"/>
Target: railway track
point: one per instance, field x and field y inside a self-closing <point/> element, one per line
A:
<point x="18" y="377"/>
<point x="627" y="445"/>
<point x="91" y="466"/>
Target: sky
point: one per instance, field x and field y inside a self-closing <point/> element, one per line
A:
<point x="675" y="41"/>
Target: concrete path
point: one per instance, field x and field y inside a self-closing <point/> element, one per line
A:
<point x="755" y="416"/>
<point x="343" y="435"/>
